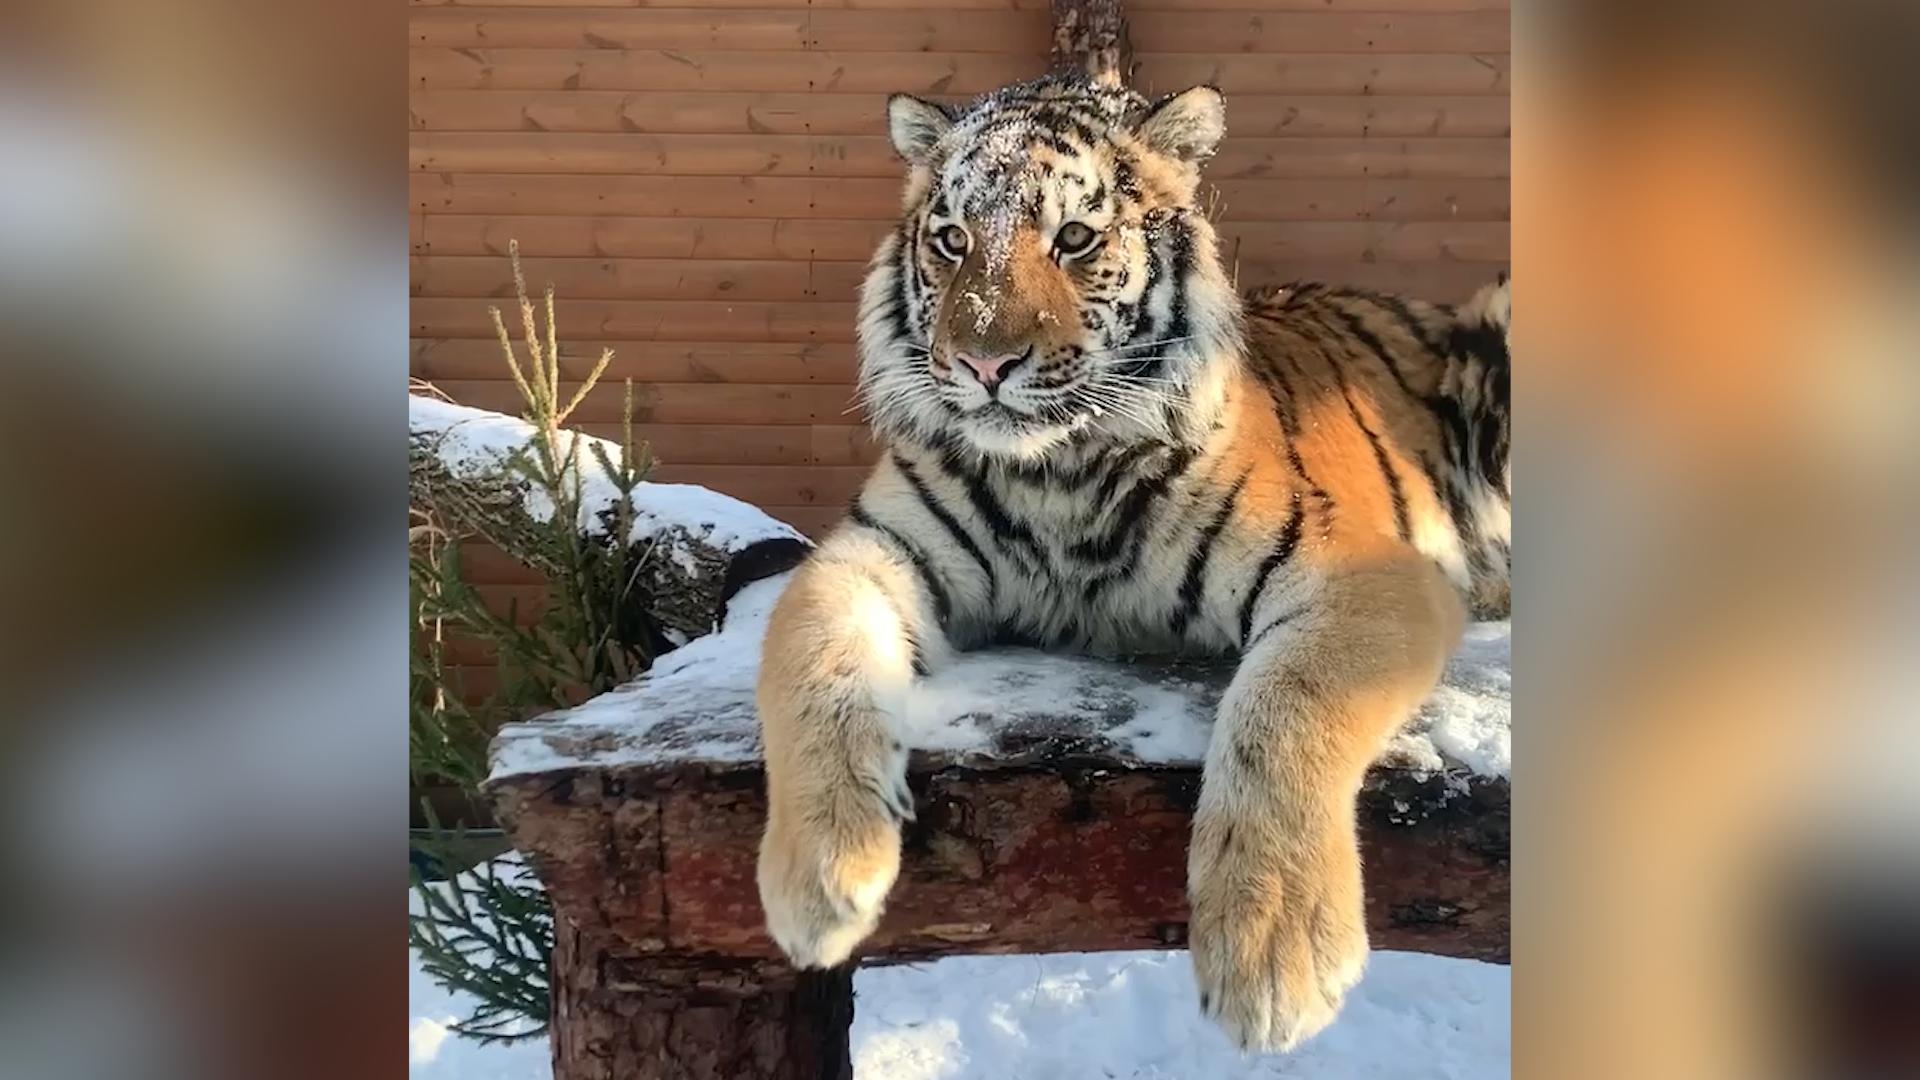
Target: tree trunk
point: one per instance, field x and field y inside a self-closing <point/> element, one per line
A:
<point x="1091" y="36"/>
<point x="619" y="1017"/>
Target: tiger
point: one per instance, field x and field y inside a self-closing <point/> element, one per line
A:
<point x="1091" y="441"/>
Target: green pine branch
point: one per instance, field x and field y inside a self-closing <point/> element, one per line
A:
<point x="487" y="932"/>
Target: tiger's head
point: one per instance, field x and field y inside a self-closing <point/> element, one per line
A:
<point x="1052" y="276"/>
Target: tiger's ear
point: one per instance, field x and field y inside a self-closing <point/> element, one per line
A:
<point x="915" y="125"/>
<point x="1188" y="125"/>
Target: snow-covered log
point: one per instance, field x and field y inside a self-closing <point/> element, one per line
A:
<point x="1054" y="796"/>
<point x="701" y="546"/>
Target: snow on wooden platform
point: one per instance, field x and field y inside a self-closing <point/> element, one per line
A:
<point x="696" y="707"/>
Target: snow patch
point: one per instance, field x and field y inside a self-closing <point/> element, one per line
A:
<point x="435" y="1051"/>
<point x="426" y="1036"/>
<point x="697" y="704"/>
<point x="1136" y="1015"/>
<point x="475" y="442"/>
<point x="1082" y="1016"/>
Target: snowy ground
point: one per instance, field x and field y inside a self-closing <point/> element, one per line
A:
<point x="1107" y="1016"/>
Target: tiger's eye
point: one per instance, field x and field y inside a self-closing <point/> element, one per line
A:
<point x="1074" y="238"/>
<point x="952" y="242"/>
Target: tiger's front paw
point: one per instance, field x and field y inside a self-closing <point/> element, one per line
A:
<point x="1278" y="933"/>
<point x="826" y="864"/>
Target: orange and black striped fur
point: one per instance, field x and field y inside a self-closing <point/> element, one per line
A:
<point x="1095" y="444"/>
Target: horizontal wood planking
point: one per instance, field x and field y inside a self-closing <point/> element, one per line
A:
<point x="1460" y="158"/>
<point x="1441" y="282"/>
<point x="1373" y="6"/>
<point x="641" y="279"/>
<point x="652" y="28"/>
<point x="770" y="30"/>
<point x="815" y="521"/>
<point x="1368" y="199"/>
<point x="667" y="238"/>
<point x="1413" y="241"/>
<point x="1004" y="31"/>
<point x="1336" y="109"/>
<point x="1279" y="32"/>
<point x="436" y="68"/>
<point x="662" y="111"/>
<point x="671" y="155"/>
<point x="704" y="5"/>
<point x="483" y="564"/>
<point x="663" y="237"/>
<point x="1463" y="199"/>
<point x="681" y="403"/>
<point x="653" y="320"/>
<point x="780" y="444"/>
<point x="693" y="113"/>
<point x="767" y="485"/>
<point x="989" y="5"/>
<point x="1419" y="73"/>
<point x="655" y="196"/>
<point x="871" y="156"/>
<point x="666" y="69"/>
<point x="759" y="362"/>
<point x="745" y="444"/>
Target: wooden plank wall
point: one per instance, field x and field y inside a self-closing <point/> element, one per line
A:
<point x="703" y="183"/>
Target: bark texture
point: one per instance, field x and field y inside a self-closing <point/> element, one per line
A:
<point x="693" y="1018"/>
<point x="1047" y="855"/>
<point x="1091" y="36"/>
<point x="663" y="968"/>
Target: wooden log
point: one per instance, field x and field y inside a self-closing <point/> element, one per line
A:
<point x="1048" y="850"/>
<point x="615" y="1019"/>
<point x="1053" y="800"/>
<point x="1054" y="816"/>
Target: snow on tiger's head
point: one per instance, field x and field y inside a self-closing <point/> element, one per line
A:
<point x="1053" y="275"/>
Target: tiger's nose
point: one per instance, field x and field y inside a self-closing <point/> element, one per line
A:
<point x="989" y="369"/>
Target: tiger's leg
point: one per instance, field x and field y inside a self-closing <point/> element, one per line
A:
<point x="839" y="659"/>
<point x="1278" y="933"/>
